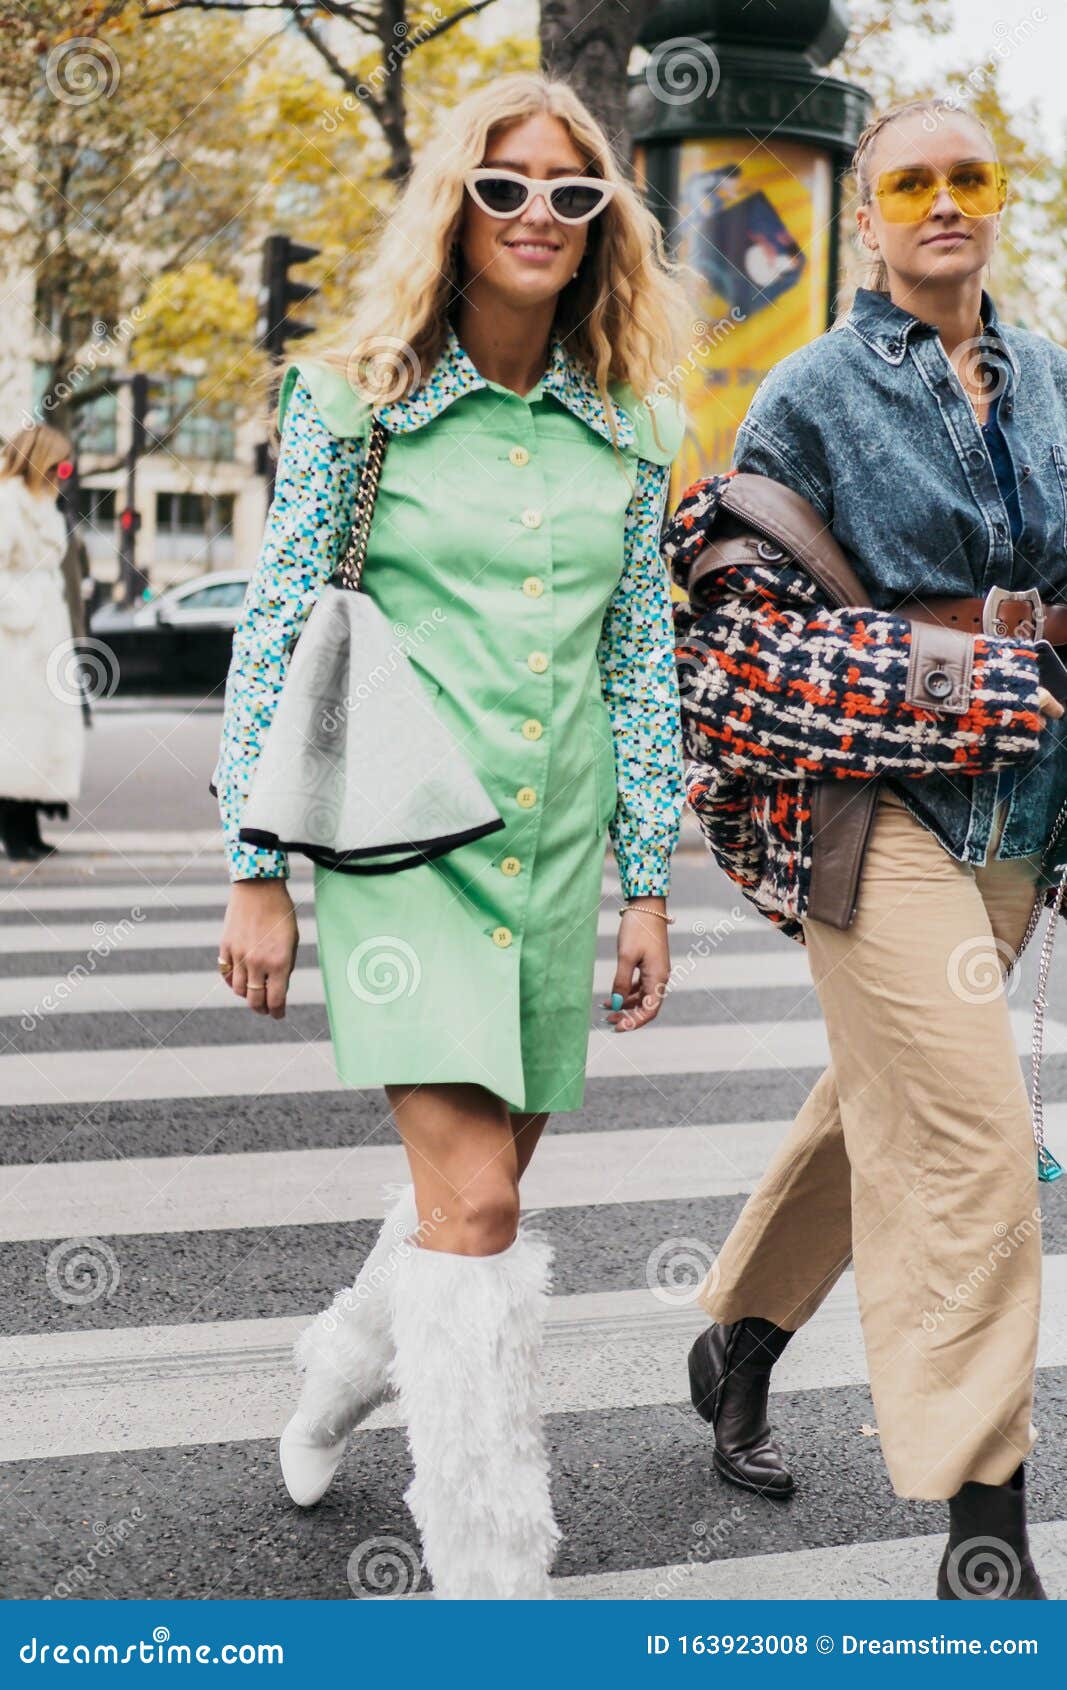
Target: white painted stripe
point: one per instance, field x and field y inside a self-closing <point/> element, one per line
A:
<point x="711" y="1048"/>
<point x="898" y="1569"/>
<point x="166" y="894"/>
<point x="138" y="1194"/>
<point x="77" y="1393"/>
<point x="139" y="932"/>
<point x="120" y="841"/>
<point x="91" y="993"/>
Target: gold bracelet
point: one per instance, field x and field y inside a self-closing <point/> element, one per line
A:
<point x="643" y="910"/>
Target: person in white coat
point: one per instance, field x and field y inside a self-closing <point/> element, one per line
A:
<point x="42" y="734"/>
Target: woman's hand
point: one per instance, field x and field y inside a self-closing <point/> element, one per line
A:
<point x="260" y="937"/>
<point x="1048" y="705"/>
<point x="643" y="951"/>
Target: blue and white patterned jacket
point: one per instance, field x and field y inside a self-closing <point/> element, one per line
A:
<point x="317" y="477"/>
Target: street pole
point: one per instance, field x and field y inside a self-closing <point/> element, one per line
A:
<point x="741" y="145"/>
<point x="133" y="579"/>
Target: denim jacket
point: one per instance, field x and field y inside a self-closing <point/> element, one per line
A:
<point x="870" y="423"/>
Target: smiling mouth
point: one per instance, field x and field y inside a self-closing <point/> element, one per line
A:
<point x="536" y="246"/>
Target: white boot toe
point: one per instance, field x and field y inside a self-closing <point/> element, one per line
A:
<point x="308" y="1466"/>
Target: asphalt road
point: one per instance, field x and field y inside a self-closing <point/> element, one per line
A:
<point x="178" y="1200"/>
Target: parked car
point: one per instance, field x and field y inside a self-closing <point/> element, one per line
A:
<point x="178" y="641"/>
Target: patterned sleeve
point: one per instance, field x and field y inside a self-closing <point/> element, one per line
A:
<point x="314" y="498"/>
<point x="640" y="685"/>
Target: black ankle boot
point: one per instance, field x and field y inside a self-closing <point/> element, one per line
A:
<point x="729" y="1377"/>
<point x="987" y="1556"/>
<point x="33" y="831"/>
<point x="16" y="815"/>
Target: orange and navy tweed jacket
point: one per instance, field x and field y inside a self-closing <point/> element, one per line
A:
<point x="779" y="690"/>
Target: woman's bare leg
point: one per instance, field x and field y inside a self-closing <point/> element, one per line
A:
<point x="468" y="1306"/>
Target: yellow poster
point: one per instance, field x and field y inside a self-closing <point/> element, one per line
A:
<point x="755" y="226"/>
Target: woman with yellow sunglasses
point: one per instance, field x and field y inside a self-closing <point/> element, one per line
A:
<point x="931" y="437"/>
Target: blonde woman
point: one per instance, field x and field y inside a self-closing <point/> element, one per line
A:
<point x="42" y="735"/>
<point x="929" y="435"/>
<point x="516" y="313"/>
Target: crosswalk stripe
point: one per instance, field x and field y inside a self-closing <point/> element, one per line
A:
<point x="133" y="929"/>
<point x="716" y="1049"/>
<point x="233" y="1381"/>
<point x="905" y="1568"/>
<point x="93" y="993"/>
<point x="299" y="1187"/>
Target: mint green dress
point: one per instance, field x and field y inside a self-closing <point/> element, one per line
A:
<point x="517" y="556"/>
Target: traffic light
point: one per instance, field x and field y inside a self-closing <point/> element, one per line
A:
<point x="129" y="520"/>
<point x="278" y="292"/>
<point x="67" y="477"/>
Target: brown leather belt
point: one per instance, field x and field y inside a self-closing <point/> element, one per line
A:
<point x="1001" y="612"/>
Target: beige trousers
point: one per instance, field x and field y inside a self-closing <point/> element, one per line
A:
<point x="913" y="1155"/>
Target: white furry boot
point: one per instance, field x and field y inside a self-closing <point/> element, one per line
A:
<point x="344" y="1355"/>
<point x="468" y="1334"/>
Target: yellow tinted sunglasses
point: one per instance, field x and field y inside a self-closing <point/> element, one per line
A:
<point x="978" y="188"/>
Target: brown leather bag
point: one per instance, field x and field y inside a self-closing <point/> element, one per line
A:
<point x="762" y="520"/>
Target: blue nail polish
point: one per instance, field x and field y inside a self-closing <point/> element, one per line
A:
<point x="616" y="1000"/>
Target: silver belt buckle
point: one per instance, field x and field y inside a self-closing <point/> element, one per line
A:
<point x="1030" y="628"/>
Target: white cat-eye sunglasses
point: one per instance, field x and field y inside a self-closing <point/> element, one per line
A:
<point x="571" y="199"/>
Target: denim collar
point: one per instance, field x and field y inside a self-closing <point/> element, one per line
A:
<point x="885" y="327"/>
<point x="455" y="374"/>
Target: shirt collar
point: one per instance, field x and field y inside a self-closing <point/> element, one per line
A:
<point x="454" y="374"/>
<point x="886" y="327"/>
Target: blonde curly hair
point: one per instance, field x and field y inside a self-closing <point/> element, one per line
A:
<point x="625" y="317"/>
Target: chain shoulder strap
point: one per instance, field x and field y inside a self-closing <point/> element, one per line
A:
<point x="349" y="571"/>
